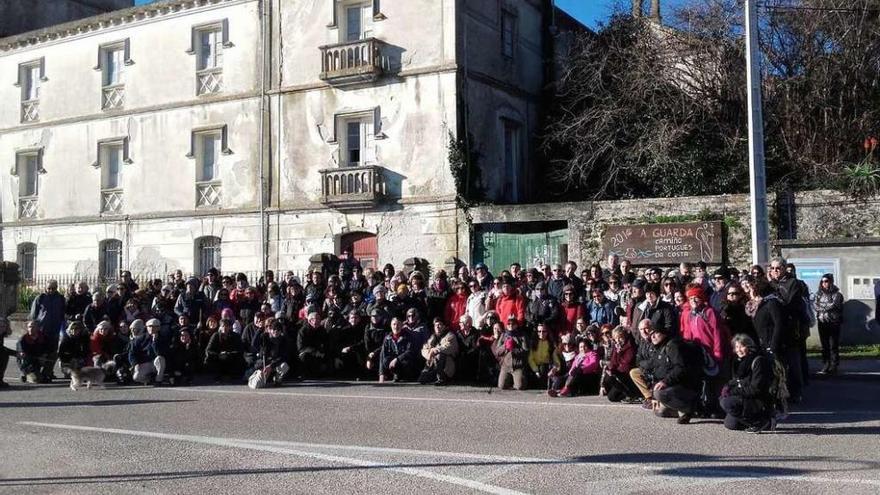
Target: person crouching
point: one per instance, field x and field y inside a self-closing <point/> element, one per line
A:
<point x="145" y="357"/>
<point x="439" y="353"/>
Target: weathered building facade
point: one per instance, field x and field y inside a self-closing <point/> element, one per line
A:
<point x="247" y="134"/>
<point x="19" y="16"/>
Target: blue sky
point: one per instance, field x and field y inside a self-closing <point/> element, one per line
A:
<point x="587" y="11"/>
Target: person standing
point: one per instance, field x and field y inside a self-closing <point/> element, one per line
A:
<point x="47" y="310"/>
<point x="828" y="303"/>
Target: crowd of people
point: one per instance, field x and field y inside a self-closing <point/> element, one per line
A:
<point x="682" y="342"/>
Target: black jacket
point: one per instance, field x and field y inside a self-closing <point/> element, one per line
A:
<point x="219" y="343"/>
<point x="669" y="364"/>
<point x="772" y="326"/>
<point x="737" y="321"/>
<point x="542" y="310"/>
<point x="752" y="377"/>
<point x="662" y="316"/>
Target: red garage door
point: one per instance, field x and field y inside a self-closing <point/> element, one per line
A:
<point x="363" y="246"/>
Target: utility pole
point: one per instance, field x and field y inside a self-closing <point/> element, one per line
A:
<point x="757" y="175"/>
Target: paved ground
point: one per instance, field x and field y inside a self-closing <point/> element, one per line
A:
<point x="366" y="438"/>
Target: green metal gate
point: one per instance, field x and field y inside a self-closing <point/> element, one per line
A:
<point x="499" y="249"/>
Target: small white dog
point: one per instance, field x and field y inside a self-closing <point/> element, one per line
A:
<point x="89" y="375"/>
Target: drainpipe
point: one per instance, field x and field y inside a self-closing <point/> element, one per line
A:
<point x="264" y="24"/>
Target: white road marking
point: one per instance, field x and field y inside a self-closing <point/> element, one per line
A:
<point x="694" y="474"/>
<point x="223" y="442"/>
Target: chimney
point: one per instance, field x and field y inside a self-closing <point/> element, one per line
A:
<point x="637" y="8"/>
<point x="655" y="11"/>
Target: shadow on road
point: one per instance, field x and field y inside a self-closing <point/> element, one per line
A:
<point x="120" y="402"/>
<point x="709" y="467"/>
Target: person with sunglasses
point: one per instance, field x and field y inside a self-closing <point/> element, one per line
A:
<point x="828" y="303"/>
<point x="733" y="312"/>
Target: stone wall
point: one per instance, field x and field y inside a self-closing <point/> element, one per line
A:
<point x="586" y="220"/>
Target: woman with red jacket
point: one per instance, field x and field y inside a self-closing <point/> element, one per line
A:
<point x="510" y="302"/>
<point x="616" y="381"/>
<point x="571" y="310"/>
<point x="456" y="306"/>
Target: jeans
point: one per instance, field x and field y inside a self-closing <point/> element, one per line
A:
<point x="829" y="336"/>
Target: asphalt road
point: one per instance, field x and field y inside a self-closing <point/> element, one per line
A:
<point x="397" y="438"/>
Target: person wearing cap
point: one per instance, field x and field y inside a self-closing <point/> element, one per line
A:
<point x="511" y="351"/>
<point x="544" y="308"/>
<point x="380" y="300"/>
<point x="700" y="324"/>
<point x="146" y="359"/>
<point x="399" y="359"/>
<point x="482" y="276"/>
<point x="439" y="354"/>
<point x="828" y="304"/>
<point x="223" y="355"/>
<point x="661" y="313"/>
<point x="675" y="389"/>
<point x="73" y="349"/>
<point x="721" y="281"/>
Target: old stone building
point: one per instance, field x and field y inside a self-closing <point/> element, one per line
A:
<point x="247" y="134"/>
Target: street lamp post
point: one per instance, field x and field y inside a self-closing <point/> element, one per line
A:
<point x="757" y="176"/>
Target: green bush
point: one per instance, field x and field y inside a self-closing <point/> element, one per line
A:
<point x="26" y="296"/>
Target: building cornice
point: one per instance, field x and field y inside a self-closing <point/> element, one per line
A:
<point x="110" y="21"/>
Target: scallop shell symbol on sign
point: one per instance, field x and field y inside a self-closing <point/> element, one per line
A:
<point x="704" y="235"/>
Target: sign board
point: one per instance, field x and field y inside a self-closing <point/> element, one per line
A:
<point x="810" y="270"/>
<point x="861" y="287"/>
<point x="664" y="243"/>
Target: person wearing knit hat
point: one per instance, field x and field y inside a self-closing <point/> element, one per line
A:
<point x="828" y="304"/>
<point x="701" y="325"/>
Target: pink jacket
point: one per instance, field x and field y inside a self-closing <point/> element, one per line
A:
<point x="588" y="363"/>
<point x="705" y="328"/>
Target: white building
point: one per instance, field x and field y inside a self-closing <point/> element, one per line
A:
<point x="247" y="134"/>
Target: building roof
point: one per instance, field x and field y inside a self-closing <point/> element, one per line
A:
<point x="102" y="21"/>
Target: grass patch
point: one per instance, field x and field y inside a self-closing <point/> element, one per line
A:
<point x="870" y="351"/>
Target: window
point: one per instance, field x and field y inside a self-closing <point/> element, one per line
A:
<point x="114" y="66"/>
<point x="28" y="174"/>
<point x="358" y="21"/>
<point x="357" y="135"/>
<point x="113" y="58"/>
<point x="207" y="44"/>
<point x="30" y="77"/>
<point x="508" y="33"/>
<point x="207" y="254"/>
<point x="208" y="156"/>
<point x="110" y="259"/>
<point x="27" y="260"/>
<point x="111" y="171"/>
<point x="206" y="147"/>
<point x="512" y="158"/>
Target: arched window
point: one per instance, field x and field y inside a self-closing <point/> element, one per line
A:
<point x="27" y="260"/>
<point x="109" y="259"/>
<point x="207" y="254"/>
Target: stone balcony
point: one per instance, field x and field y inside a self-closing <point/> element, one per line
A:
<point x="354" y="62"/>
<point x="352" y="187"/>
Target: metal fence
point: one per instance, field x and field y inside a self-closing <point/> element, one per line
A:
<point x="65" y="280"/>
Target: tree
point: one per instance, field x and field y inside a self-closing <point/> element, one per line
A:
<point x="649" y="110"/>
